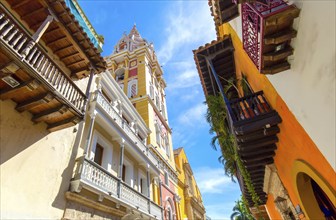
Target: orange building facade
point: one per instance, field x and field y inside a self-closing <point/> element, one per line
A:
<point x="299" y="180"/>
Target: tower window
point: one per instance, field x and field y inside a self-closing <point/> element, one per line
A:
<point x="120" y="74"/>
<point x="132" y="88"/>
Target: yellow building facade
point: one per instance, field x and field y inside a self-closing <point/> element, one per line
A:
<point x="191" y="204"/>
<point x="297" y="180"/>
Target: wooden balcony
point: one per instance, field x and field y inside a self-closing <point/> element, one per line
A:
<point x="223" y="11"/>
<point x="226" y="10"/>
<point x="35" y="82"/>
<point x="221" y="54"/>
<point x="251" y="119"/>
<point x="255" y="126"/>
<point x="43" y="50"/>
<point x="95" y="178"/>
<point x="267" y="33"/>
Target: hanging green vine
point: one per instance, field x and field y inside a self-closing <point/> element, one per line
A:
<point x="217" y="119"/>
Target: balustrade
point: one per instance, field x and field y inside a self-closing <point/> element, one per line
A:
<point x="132" y="196"/>
<point x="96" y="176"/>
<point x="155" y="210"/>
<point x="249" y="107"/>
<point x="16" y="39"/>
<point x="109" y="109"/>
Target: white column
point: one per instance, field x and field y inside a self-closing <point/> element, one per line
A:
<point x="89" y="136"/>
<point x="121" y="163"/>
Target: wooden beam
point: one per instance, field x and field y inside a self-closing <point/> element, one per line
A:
<point x="56" y="41"/>
<point x="33" y="102"/>
<point x="70" y="55"/>
<point x="63" y="49"/>
<point x="74" y="63"/>
<point x="52" y="31"/>
<point x="33" y="12"/>
<point x="22" y="2"/>
<point x="36" y="25"/>
<point x="63" y="124"/>
<point x="50" y="113"/>
<point x="76" y="72"/>
<point x="11" y="92"/>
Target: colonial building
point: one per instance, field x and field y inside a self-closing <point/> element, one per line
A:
<point x="284" y="126"/>
<point x="48" y="58"/>
<point x="115" y="174"/>
<point x="136" y="69"/>
<point x="191" y="205"/>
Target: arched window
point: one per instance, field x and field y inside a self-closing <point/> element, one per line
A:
<point x="169" y="214"/>
<point x="120" y="74"/>
<point x="132" y="88"/>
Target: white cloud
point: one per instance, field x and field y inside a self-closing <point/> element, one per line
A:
<point x="193" y="116"/>
<point x="213" y="181"/>
<point x="217" y="191"/>
<point x="219" y="211"/>
<point x="185" y="79"/>
<point x="188" y="23"/>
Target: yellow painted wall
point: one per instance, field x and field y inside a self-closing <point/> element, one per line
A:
<point x="180" y="158"/>
<point x="294" y="142"/>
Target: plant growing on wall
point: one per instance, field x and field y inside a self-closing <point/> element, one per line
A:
<point x="218" y="120"/>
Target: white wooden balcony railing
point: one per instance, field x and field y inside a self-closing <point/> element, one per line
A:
<point x="109" y="109"/>
<point x="90" y="173"/>
<point x="16" y="39"/>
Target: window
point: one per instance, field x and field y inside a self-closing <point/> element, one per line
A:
<point x="128" y="172"/>
<point x="163" y="111"/>
<point x="98" y="154"/>
<point x="166" y="178"/>
<point x="170" y="214"/>
<point x="158" y="135"/>
<point x="141" y="185"/>
<point x="167" y="146"/>
<point x="106" y="96"/>
<point x="157" y="100"/>
<point x="191" y="186"/>
<point x="120" y="74"/>
<point x="123" y="173"/>
<point x="151" y="91"/>
<point x="132" y="88"/>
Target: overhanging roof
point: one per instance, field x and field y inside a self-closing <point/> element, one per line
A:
<point x="65" y="37"/>
<point x="221" y="54"/>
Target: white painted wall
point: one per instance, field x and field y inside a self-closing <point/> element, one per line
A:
<point x="35" y="168"/>
<point x="308" y="88"/>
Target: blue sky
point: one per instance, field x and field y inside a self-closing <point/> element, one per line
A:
<point x="175" y="28"/>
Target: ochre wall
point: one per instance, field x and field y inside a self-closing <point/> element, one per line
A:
<point x="181" y="158"/>
<point x="311" y="77"/>
<point x="294" y="143"/>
